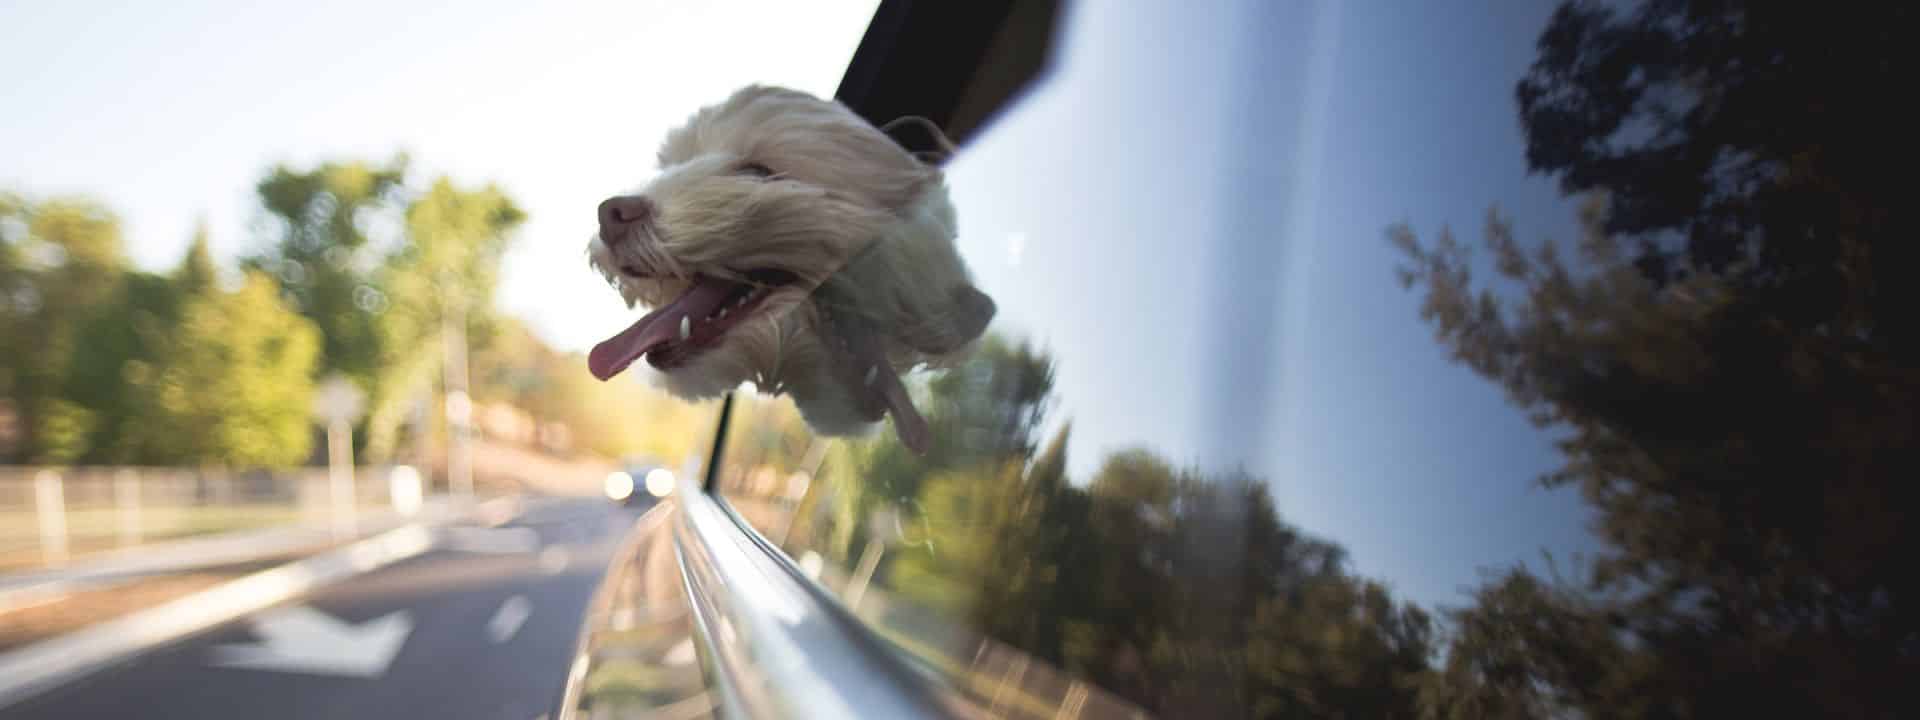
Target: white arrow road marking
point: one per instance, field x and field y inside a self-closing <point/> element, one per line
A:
<point x="497" y="541"/>
<point x="507" y="620"/>
<point x="554" y="559"/>
<point x="301" y="639"/>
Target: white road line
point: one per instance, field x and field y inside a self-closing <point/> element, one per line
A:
<point x="554" y="559"/>
<point x="27" y="671"/>
<point x="507" y="620"/>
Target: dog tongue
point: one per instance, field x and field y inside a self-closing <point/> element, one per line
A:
<point x="907" y="422"/>
<point x="884" y="383"/>
<point x="658" y="327"/>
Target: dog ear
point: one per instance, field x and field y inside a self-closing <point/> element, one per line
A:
<point x="963" y="319"/>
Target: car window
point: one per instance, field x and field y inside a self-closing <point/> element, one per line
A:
<point x="1338" y="369"/>
<point x="1118" y="484"/>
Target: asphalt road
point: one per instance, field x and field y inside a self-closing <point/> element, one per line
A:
<point x="481" y="626"/>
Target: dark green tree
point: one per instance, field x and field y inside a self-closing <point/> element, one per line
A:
<point x="319" y="241"/>
<point x="1728" y="356"/>
<point x="175" y="370"/>
<point x="61" y="261"/>
<point x="1182" y="591"/>
<point x="119" y="348"/>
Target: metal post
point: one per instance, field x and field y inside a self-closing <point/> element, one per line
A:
<point x="863" y="575"/>
<point x="126" y="496"/>
<point x="337" y="404"/>
<point x="50" y="500"/>
<point x="219" y="485"/>
<point x="403" y="489"/>
<point x="453" y="331"/>
<point x="340" y="476"/>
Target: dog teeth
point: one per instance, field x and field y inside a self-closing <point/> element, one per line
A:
<point x="686" y="327"/>
<point x="872" y="372"/>
<point x="722" y="315"/>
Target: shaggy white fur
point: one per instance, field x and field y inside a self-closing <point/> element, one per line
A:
<point x="789" y="243"/>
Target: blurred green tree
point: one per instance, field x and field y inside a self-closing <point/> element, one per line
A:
<point x="176" y="370"/>
<point x="111" y="374"/>
<point x="236" y="388"/>
<point x="385" y="272"/>
<point x="62" y="259"/>
<point x="1180" y="590"/>
<point x="439" y="282"/>
<point x="197" y="273"/>
<point x="326" y="233"/>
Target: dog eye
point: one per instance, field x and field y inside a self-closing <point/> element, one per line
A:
<point x="757" y="170"/>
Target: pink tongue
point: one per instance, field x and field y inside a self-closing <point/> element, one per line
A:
<point x="658" y="327"/>
<point x="907" y="422"/>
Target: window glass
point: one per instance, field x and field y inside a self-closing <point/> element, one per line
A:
<point x="1319" y="385"/>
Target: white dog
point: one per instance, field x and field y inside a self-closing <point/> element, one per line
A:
<point x="788" y="242"/>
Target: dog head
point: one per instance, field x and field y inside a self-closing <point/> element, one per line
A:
<point x="787" y="242"/>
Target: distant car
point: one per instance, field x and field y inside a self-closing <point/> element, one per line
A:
<point x="639" y="485"/>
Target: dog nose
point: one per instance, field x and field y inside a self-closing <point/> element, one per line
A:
<point x="620" y="213"/>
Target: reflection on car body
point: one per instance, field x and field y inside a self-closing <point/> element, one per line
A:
<point x="1653" y="469"/>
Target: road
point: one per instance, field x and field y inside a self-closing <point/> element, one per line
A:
<point x="481" y="626"/>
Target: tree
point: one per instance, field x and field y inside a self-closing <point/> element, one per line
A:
<point x="1209" y="603"/>
<point x="381" y="269"/>
<point x="118" y="350"/>
<point x="14" y="283"/>
<point x="1747" y="479"/>
<point x="320" y="244"/>
<point x="1751" y="142"/>
<point x="1335" y="646"/>
<point x="1728" y="357"/>
<point x="1529" y="647"/>
<point x="441" y="279"/>
<point x="62" y="260"/>
<point x="197" y="273"/>
<point x="236" y="388"/>
<point x="1180" y="590"/>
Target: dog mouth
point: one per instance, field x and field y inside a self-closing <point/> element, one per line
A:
<point x="693" y="322"/>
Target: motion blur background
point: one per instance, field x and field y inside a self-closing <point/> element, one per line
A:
<point x="1354" y="359"/>
<point x="209" y="209"/>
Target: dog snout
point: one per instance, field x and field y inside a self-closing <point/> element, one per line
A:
<point x="620" y="214"/>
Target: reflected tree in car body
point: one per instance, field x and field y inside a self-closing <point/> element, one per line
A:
<point x="1731" y="358"/>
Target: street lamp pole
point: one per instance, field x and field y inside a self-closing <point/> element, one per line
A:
<point x="453" y="331"/>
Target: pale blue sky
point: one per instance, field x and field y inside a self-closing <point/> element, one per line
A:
<point x="1190" y="215"/>
<point x="171" y="111"/>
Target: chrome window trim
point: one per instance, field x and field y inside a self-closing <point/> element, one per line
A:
<point x="774" y="644"/>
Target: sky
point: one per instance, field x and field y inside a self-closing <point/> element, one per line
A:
<point x="170" y="112"/>
<point x="1188" y="213"/>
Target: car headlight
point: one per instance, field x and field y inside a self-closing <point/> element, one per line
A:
<point x="660" y="482"/>
<point x="619" y="485"/>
